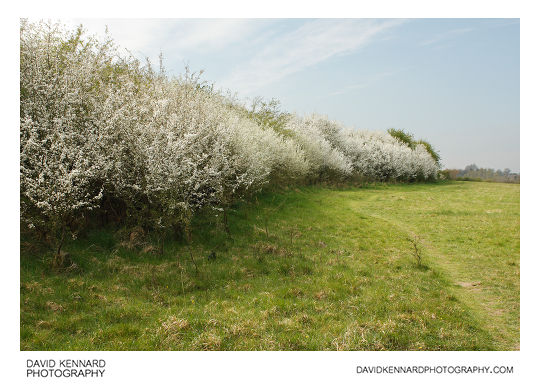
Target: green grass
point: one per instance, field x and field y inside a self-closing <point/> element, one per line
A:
<point x="305" y="269"/>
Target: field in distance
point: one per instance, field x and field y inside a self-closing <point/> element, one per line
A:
<point x="304" y="269"/>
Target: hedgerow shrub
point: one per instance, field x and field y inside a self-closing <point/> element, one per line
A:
<point x="335" y="151"/>
<point x="315" y="137"/>
<point x="99" y="128"/>
<point x="60" y="169"/>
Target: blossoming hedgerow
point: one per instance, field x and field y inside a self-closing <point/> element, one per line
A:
<point x="98" y="127"/>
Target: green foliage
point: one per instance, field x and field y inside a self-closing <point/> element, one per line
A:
<point x="270" y="115"/>
<point x="404" y="137"/>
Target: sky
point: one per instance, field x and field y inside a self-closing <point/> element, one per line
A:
<point x="452" y="82"/>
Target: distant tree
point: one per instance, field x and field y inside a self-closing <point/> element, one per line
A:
<point x="473" y="172"/>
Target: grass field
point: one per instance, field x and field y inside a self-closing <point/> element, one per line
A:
<point x="305" y="269"/>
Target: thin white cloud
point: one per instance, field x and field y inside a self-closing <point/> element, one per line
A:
<point x="446" y="36"/>
<point x="147" y="37"/>
<point x="310" y="44"/>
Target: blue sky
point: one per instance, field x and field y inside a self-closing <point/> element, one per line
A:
<point x="454" y="82"/>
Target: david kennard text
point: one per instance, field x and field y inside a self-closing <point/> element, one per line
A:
<point x="65" y="368"/>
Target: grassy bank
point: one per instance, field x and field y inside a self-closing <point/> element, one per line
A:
<point x="310" y="268"/>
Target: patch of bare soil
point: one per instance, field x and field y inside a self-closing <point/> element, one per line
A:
<point x="469" y="284"/>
